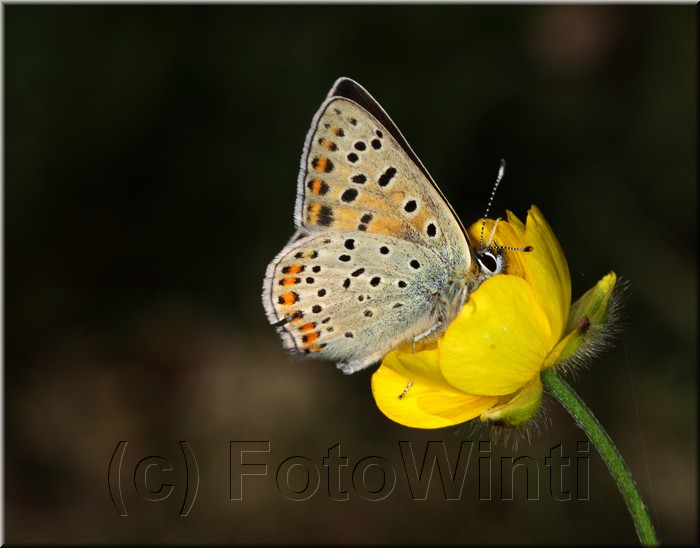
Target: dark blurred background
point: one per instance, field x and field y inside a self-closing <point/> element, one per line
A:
<point x="151" y="156"/>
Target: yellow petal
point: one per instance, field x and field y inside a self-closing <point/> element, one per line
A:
<point x="499" y="340"/>
<point x="516" y="223"/>
<point x="547" y="272"/>
<point x="424" y="406"/>
<point x="422" y="365"/>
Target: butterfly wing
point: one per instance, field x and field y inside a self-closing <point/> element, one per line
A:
<point x="352" y="297"/>
<point x="349" y="89"/>
<point x="361" y="182"/>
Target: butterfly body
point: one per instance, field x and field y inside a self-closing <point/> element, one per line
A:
<point x="379" y="258"/>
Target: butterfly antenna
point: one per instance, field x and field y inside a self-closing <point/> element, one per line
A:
<point x="501" y="171"/>
<point x="527" y="248"/>
<point x="524" y="249"/>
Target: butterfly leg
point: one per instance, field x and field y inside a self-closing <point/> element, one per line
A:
<point x="425" y="334"/>
<point x="465" y="294"/>
<point x="405" y="390"/>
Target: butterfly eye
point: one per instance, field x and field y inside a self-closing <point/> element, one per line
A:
<point x="491" y="263"/>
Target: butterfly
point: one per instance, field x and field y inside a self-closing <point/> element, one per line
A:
<point x="379" y="258"/>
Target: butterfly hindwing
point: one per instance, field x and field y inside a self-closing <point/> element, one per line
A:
<point x="350" y="298"/>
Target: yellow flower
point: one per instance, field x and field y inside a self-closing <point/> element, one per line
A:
<point x="487" y="363"/>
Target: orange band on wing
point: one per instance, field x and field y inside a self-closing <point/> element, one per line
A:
<point x="310" y="337"/>
<point x="288" y="299"/>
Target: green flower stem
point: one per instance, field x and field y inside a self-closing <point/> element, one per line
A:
<point x="607" y="450"/>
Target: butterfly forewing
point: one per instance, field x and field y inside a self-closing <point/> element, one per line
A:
<point x="356" y="176"/>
